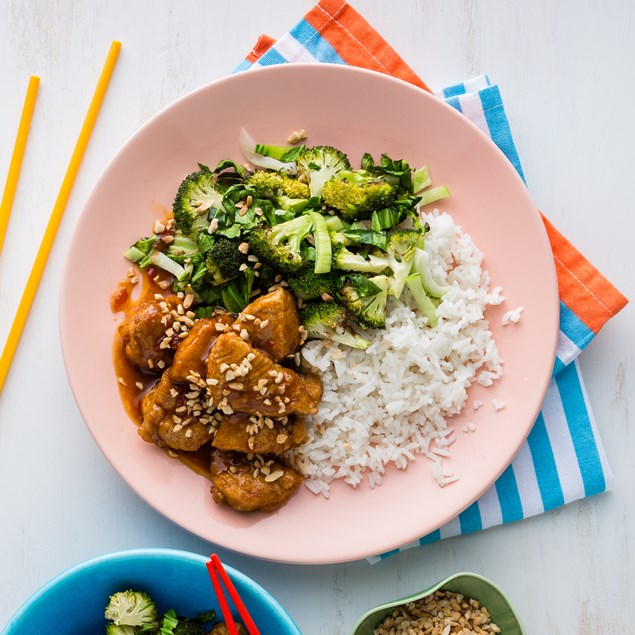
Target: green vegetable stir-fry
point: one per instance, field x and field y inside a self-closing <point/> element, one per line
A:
<point x="342" y="239"/>
<point x="134" y="612"/>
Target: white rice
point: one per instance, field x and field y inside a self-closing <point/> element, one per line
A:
<point x="512" y="316"/>
<point x="390" y="403"/>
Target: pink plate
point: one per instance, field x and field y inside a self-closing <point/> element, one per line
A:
<point x="357" y="111"/>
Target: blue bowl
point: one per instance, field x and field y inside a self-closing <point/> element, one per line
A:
<point x="73" y="603"/>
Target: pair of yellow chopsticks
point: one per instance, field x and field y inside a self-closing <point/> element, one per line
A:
<point x="60" y="204"/>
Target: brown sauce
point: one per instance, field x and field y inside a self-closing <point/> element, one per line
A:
<point x="128" y="375"/>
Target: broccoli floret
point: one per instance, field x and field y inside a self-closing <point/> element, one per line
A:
<point x="195" y="196"/>
<point x="348" y="261"/>
<point x="356" y="202"/>
<point x="113" y="629"/>
<point x="400" y="251"/>
<point x="281" y="245"/>
<point x="273" y="185"/>
<point x="320" y="164"/>
<point x="309" y="285"/>
<point x="132" y="608"/>
<point x="366" y="299"/>
<point x="224" y="260"/>
<point x="327" y="320"/>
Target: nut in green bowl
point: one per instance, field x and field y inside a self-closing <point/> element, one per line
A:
<point x="470" y="586"/>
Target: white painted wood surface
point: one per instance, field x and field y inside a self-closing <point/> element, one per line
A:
<point x="565" y="70"/>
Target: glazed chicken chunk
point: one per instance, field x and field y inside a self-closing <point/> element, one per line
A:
<point x="262" y="435"/>
<point x="272" y="323"/>
<point x="244" y="379"/>
<point x="166" y="420"/>
<point x="190" y="359"/>
<point x="146" y="334"/>
<point x="257" y="484"/>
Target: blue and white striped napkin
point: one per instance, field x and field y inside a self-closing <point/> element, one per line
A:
<point x="563" y="458"/>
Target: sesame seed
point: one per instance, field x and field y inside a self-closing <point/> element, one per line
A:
<point x="139" y="385"/>
<point x="212" y="382"/>
<point x="235" y="385"/>
<point x="122" y="381"/>
<point x="177" y="419"/>
<point x="264" y="324"/>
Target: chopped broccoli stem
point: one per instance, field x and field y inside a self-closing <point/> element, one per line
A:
<point x="421" y="179"/>
<point x="163" y="261"/>
<point x="348" y="261"/>
<point x="400" y="251"/>
<point x="423" y="302"/>
<point x="327" y="320"/>
<point x="322" y="241"/>
<point x="421" y="265"/>
<point x="434" y="194"/>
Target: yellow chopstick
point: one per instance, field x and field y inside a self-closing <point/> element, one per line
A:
<point x="18" y="154"/>
<point x="56" y="215"/>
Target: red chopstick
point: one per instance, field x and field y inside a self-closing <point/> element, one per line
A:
<point x="216" y="569"/>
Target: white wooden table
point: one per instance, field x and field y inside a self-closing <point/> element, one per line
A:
<point x="565" y="70"/>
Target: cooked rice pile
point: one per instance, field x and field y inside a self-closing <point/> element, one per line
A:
<point x="391" y="402"/>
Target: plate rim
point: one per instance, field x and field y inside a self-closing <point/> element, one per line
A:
<point x="319" y="68"/>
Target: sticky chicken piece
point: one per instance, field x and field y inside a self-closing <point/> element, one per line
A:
<point x="272" y="322"/>
<point x="144" y="330"/>
<point x="190" y="358"/>
<point x="261" y="435"/>
<point x="249" y="381"/>
<point x="252" y="485"/>
<point x="165" y="424"/>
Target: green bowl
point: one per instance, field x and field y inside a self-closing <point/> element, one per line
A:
<point x="469" y="584"/>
